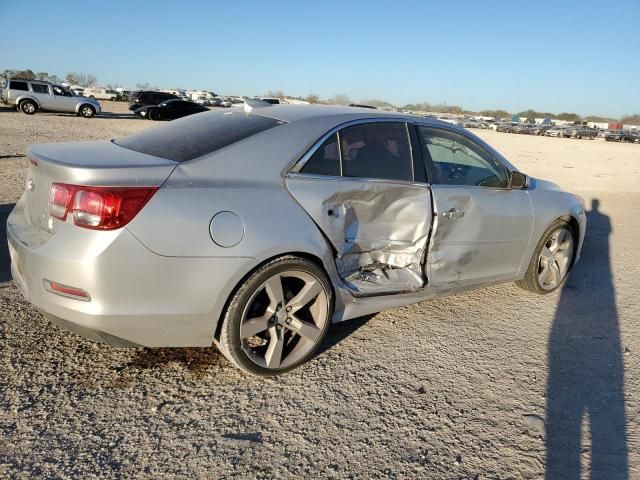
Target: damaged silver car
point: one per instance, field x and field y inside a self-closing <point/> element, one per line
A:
<point x="257" y="230"/>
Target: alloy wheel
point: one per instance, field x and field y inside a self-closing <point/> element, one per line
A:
<point x="555" y="259"/>
<point x="284" y="319"/>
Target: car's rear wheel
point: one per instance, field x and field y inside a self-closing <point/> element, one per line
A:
<point x="552" y="259"/>
<point x="87" y="111"/>
<point x="278" y="317"/>
<point x="28" y="106"/>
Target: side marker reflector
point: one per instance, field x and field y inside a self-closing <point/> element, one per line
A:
<point x="66" y="291"/>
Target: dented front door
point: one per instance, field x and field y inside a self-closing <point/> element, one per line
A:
<point x="378" y="228"/>
<point x="479" y="234"/>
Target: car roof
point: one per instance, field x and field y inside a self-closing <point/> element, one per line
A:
<point x="292" y="113"/>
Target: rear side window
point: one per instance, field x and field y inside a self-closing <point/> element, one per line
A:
<point x="14" y="85"/>
<point x="40" y="88"/>
<point x="197" y="135"/>
<point x="326" y="159"/>
<point x="376" y="150"/>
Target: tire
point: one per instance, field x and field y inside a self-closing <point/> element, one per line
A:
<point x="566" y="250"/>
<point x="28" y="107"/>
<point x="86" y="111"/>
<point x="113" y="99"/>
<point x="254" y="307"/>
<point x="154" y="115"/>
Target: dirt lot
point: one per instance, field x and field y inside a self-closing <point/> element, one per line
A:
<point x="497" y="383"/>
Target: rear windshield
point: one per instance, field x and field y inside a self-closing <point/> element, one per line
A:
<point x="197" y="135"/>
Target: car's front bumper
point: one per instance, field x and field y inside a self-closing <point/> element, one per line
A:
<point x="137" y="296"/>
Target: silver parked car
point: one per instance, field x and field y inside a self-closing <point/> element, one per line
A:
<point x="29" y="96"/>
<point x="257" y="230"/>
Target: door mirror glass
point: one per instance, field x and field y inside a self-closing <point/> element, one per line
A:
<point x="519" y="181"/>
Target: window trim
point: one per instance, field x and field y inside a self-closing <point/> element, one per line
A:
<point x="431" y="171"/>
<point x="300" y="163"/>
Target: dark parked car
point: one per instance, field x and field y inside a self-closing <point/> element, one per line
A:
<point x="584" y="132"/>
<point x="633" y="136"/>
<point x="616" y="136"/>
<point x="170" y="110"/>
<point x="123" y="96"/>
<point x="536" y="129"/>
<point x="141" y="99"/>
<point x="504" y="127"/>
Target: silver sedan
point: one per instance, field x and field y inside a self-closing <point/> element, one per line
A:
<point x="258" y="229"/>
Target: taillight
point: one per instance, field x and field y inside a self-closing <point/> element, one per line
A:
<point x="101" y="208"/>
<point x="59" y="199"/>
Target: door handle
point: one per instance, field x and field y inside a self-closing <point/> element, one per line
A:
<point x="453" y="214"/>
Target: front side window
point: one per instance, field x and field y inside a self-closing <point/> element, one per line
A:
<point x="61" y="91"/>
<point x="22" y="86"/>
<point x="456" y="160"/>
<point x="325" y="160"/>
<point x="40" y="88"/>
<point x="376" y="150"/>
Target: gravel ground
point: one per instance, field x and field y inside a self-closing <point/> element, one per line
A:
<point x="496" y="383"/>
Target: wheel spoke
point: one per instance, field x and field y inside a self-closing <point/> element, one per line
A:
<point x="544" y="274"/>
<point x="304" y="329"/>
<point x="253" y="326"/>
<point x="274" y="291"/>
<point x="555" y="273"/>
<point x="273" y="355"/>
<point x="556" y="240"/>
<point x="309" y="292"/>
<point x="546" y="252"/>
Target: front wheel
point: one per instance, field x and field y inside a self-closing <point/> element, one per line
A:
<point x="154" y="115"/>
<point x="278" y="317"/>
<point x="87" y="111"/>
<point x="552" y="259"/>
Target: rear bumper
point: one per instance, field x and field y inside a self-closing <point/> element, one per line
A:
<point x="138" y="298"/>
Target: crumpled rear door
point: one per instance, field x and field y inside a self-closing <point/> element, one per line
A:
<point x="379" y="228"/>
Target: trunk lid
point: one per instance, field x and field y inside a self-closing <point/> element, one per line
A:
<point x="85" y="163"/>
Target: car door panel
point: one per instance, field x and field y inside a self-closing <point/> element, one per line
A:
<point x="379" y="229"/>
<point x="481" y="226"/>
<point x="486" y="238"/>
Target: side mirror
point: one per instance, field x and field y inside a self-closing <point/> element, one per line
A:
<point x="519" y="181"/>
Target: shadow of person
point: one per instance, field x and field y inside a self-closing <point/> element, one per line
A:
<point x="586" y="378"/>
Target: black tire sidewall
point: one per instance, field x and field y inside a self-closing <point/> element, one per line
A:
<point x="230" y="333"/>
<point x="82" y="107"/>
<point x="531" y="281"/>
<point x="25" y="102"/>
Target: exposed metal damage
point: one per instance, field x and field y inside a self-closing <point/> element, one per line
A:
<point x="379" y="230"/>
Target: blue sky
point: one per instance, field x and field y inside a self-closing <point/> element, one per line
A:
<point x="577" y="56"/>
